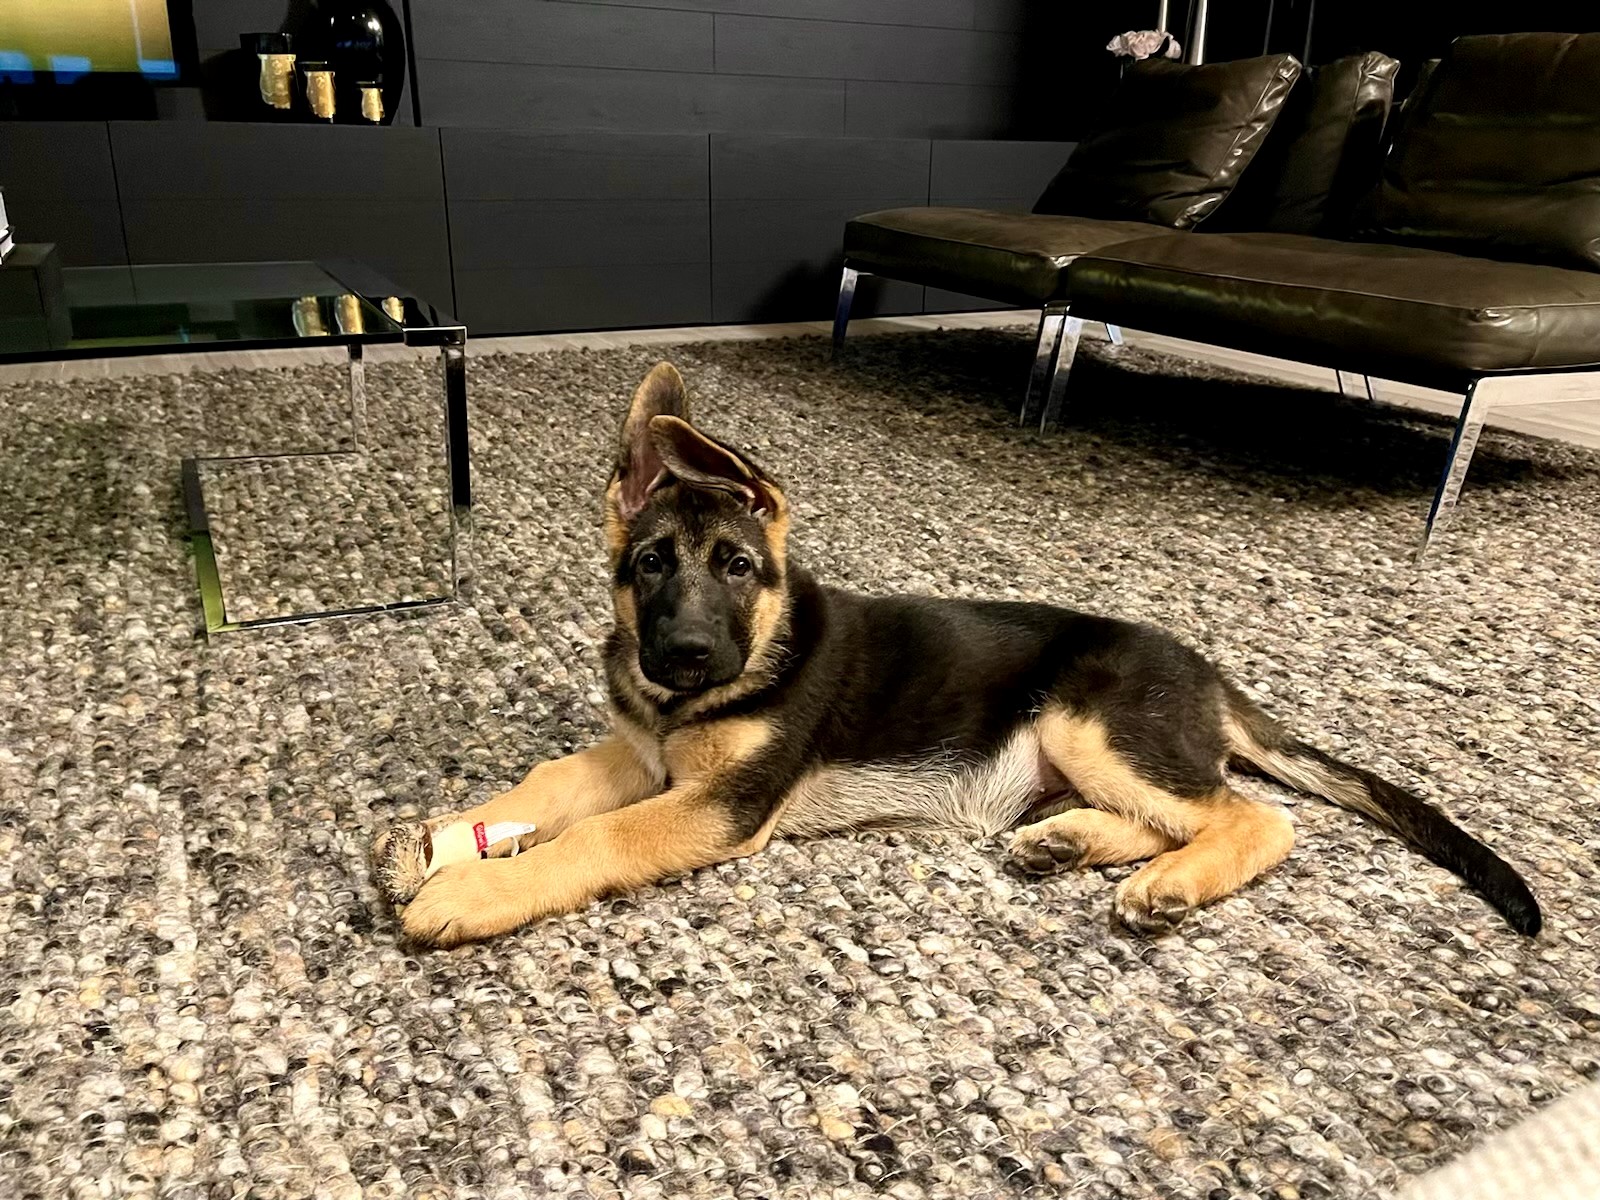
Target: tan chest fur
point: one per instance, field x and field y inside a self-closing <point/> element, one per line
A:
<point x="696" y="752"/>
<point x="699" y="751"/>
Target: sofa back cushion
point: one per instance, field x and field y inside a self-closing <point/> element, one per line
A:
<point x="1178" y="139"/>
<point x="1407" y="108"/>
<point x="1323" y="154"/>
<point x="1500" y="153"/>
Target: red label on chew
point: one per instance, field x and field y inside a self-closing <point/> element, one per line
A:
<point x="481" y="836"/>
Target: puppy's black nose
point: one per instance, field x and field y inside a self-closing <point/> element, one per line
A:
<point x="688" y="645"/>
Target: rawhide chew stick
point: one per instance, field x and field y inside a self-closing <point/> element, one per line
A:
<point x="462" y="841"/>
<point x="407" y="856"/>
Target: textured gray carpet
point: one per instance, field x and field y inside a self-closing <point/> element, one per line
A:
<point x="200" y="994"/>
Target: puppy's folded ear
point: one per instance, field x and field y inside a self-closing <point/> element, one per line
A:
<point x="692" y="457"/>
<point x="639" y="466"/>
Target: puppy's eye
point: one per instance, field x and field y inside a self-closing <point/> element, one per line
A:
<point x="650" y="564"/>
<point x="740" y="566"/>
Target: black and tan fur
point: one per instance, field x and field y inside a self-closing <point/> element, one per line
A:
<point x="750" y="701"/>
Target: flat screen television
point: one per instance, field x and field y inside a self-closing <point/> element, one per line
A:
<point x="91" y="58"/>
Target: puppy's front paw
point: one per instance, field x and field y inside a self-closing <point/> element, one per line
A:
<point x="472" y="901"/>
<point x="400" y="860"/>
<point x="448" y="911"/>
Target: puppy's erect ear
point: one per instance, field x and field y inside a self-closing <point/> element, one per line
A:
<point x="695" y="459"/>
<point x="639" y="465"/>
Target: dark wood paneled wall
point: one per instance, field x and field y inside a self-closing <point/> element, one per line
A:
<point x="592" y="231"/>
<point x="574" y="231"/>
<point x="209" y="192"/>
<point x="826" y="68"/>
<point x="520" y="232"/>
<point x="597" y="163"/>
<point x="778" y="208"/>
<point x="61" y="187"/>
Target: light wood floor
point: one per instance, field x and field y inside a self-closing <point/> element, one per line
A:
<point x="1573" y="421"/>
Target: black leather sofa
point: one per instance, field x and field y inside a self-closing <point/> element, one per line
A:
<point x="1468" y="259"/>
<point x="1178" y="149"/>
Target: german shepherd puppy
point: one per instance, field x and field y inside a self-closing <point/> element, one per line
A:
<point x="750" y="701"/>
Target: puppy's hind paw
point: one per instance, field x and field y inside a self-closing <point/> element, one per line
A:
<point x="1150" y="921"/>
<point x="1147" y="907"/>
<point x="1040" y="850"/>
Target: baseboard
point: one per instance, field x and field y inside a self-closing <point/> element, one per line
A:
<point x="1576" y="422"/>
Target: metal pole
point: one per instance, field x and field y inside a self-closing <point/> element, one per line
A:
<point x="1197" y="48"/>
<point x="1161" y="16"/>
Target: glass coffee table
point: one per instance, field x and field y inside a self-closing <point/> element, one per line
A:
<point x="184" y="309"/>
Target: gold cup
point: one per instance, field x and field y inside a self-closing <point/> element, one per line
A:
<point x="372" y="102"/>
<point x="396" y="310"/>
<point x="277" y="79"/>
<point x="319" y="89"/>
<point x="307" y="316"/>
<point x="347" y="312"/>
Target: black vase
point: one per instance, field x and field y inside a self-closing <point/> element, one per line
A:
<point x="364" y="42"/>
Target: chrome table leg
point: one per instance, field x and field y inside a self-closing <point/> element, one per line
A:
<point x="358" y="398"/>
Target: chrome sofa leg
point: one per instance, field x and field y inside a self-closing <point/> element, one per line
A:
<point x="1071" y="328"/>
<point x="1470" y="424"/>
<point x="1493" y="393"/>
<point x="1050" y="322"/>
<point x="1114" y="332"/>
<point x="841" y="312"/>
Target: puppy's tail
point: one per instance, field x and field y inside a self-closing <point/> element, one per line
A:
<point x="1257" y="743"/>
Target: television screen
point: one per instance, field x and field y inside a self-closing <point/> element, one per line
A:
<point x="68" y="39"/>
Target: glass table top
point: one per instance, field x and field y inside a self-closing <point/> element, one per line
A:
<point x="100" y="311"/>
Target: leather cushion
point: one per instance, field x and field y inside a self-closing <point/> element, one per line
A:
<point x="1323" y="153"/>
<point x="1000" y="255"/>
<point x="1407" y="108"/>
<point x="1179" y="138"/>
<point x="1502" y="155"/>
<point x="1405" y="312"/>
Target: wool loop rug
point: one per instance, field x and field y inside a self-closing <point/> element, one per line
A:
<point x="201" y="995"/>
